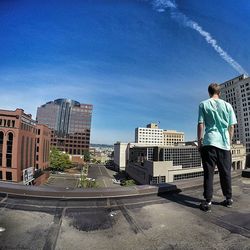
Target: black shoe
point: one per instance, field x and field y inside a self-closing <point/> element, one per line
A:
<point x="205" y="206"/>
<point x="227" y="203"/>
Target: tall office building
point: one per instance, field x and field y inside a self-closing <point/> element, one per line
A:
<point x="70" y="122"/>
<point x="237" y="92"/>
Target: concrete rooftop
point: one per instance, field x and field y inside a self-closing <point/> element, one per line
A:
<point x="166" y="221"/>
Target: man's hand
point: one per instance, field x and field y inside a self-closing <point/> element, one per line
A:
<point x="231" y="133"/>
<point x="200" y="128"/>
<point x="200" y="142"/>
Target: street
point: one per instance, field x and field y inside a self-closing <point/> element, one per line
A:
<point x="102" y="175"/>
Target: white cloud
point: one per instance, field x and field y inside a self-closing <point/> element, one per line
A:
<point x="161" y="5"/>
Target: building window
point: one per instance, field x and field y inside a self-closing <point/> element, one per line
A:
<point x="150" y="153"/>
<point x="1" y="148"/>
<point x="43" y="151"/>
<point x="154" y="180"/>
<point x="22" y="153"/>
<point x="9" y="150"/>
<point x="8" y="176"/>
<point x="27" y="153"/>
<point x="158" y="179"/>
<point x="162" y="179"/>
<point x="187" y="175"/>
<point x="31" y="152"/>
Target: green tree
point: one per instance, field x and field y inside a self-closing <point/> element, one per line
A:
<point x="128" y="183"/>
<point x="86" y="155"/>
<point x="59" y="160"/>
<point x="85" y="182"/>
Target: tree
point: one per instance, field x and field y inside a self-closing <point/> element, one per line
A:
<point x="128" y="183"/>
<point x="85" y="182"/>
<point x="86" y="155"/>
<point x="59" y="160"/>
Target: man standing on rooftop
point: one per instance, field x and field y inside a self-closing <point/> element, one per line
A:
<point x="218" y="119"/>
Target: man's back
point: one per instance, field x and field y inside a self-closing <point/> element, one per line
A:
<point x="217" y="115"/>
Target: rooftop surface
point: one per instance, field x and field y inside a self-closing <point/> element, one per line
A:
<point x="165" y="221"/>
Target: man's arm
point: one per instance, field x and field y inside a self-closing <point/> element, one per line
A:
<point x="231" y="132"/>
<point x="200" y="128"/>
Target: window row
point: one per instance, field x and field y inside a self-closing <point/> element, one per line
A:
<point x="244" y="85"/>
<point x="158" y="180"/>
<point x="187" y="175"/>
<point x="27" y="127"/>
<point x="7" y="123"/>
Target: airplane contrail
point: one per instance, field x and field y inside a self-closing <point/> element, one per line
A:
<point x="162" y="5"/>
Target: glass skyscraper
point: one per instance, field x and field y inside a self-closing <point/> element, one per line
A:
<point x="70" y="122"/>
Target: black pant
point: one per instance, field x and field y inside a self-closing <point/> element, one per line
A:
<point x="212" y="156"/>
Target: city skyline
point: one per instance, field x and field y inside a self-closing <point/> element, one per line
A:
<point x="137" y="62"/>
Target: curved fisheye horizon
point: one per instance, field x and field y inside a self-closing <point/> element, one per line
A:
<point x="110" y="137"/>
<point x="79" y="51"/>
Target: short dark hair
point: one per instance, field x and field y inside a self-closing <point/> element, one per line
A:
<point x="213" y="89"/>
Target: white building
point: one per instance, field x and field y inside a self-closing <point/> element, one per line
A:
<point x="153" y="135"/>
<point x="120" y="155"/>
<point x="238" y="156"/>
<point x="155" y="165"/>
<point x="237" y="92"/>
<point x="172" y="137"/>
<point x="163" y="164"/>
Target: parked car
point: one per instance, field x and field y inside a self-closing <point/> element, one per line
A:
<point x="116" y="181"/>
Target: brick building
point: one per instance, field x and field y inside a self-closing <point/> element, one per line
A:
<point x="43" y="139"/>
<point x="17" y="145"/>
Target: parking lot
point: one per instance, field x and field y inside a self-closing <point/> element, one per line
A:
<point x="62" y="181"/>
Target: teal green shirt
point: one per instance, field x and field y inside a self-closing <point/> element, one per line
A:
<point x="217" y="115"/>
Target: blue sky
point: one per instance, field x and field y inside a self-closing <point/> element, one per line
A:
<point x="134" y="61"/>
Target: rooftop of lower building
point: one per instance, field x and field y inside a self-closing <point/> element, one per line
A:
<point x="167" y="221"/>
